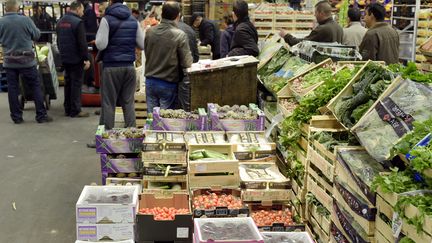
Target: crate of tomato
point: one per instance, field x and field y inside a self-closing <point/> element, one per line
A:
<point x="275" y="217"/>
<point x="170" y="213"/>
<point x="218" y="203"/>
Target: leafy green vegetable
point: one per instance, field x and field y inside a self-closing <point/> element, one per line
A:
<point x="421" y="129"/>
<point x="406" y="240"/>
<point x="361" y="110"/>
<point x="332" y="139"/>
<point x="423" y="202"/>
<point x="396" y="182"/>
<point x="316" y="76"/>
<point x="422" y="158"/>
<point x="321" y="210"/>
<point x="275" y="64"/>
<point x="410" y="72"/>
<point x="309" y="105"/>
<point x="368" y="87"/>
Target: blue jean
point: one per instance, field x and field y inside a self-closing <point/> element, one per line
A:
<point x="31" y="77"/>
<point x="160" y="93"/>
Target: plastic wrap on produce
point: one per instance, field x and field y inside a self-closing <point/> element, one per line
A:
<point x="261" y="173"/>
<point x="392" y="117"/>
<point x="335" y="50"/>
<point x="286" y="237"/>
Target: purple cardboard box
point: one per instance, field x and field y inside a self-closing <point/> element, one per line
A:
<point x="113" y="146"/>
<point x="236" y="125"/>
<point x="168" y="124"/>
<point x="112" y="165"/>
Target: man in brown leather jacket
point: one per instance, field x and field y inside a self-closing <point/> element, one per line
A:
<point x="381" y="41"/>
<point x="327" y="30"/>
<point x="167" y="54"/>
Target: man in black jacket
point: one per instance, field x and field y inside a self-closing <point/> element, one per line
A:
<point x="71" y="40"/>
<point x="209" y="34"/>
<point x="245" y="36"/>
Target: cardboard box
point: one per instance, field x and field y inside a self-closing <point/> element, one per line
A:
<point x="179" y="229"/>
<point x="236" y="125"/>
<point x="245" y="228"/>
<point x="168" y="124"/>
<point x="105" y="232"/>
<point x="276" y="226"/>
<point x="251" y="145"/>
<point x="205" y="138"/>
<point x="107" y="204"/>
<point x="116" y="146"/>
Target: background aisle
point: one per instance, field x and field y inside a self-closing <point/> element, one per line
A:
<point x="43" y="170"/>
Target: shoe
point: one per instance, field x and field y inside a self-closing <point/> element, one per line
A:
<point x="45" y="119"/>
<point x="97" y="112"/>
<point x="82" y="114"/>
<point x="91" y="144"/>
<point x="19" y="121"/>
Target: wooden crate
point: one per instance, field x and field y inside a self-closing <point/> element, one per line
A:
<point x="222" y="85"/>
<point x="386" y="208"/>
<point x="204" y="174"/>
<point x="383" y="231"/>
<point x="180" y="178"/>
<point x="163" y="192"/>
<point x="325" y="163"/>
<point x="320" y="188"/>
<point x="318" y="232"/>
<point x="267" y="196"/>
<point x="164" y="157"/>
<point x="322" y="221"/>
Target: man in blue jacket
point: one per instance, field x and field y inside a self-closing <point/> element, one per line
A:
<point x="17" y="33"/>
<point x="118" y="35"/>
<point x="71" y="40"/>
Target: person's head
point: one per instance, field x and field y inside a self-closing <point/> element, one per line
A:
<point x="135" y="13"/>
<point x="354" y="15"/>
<point x="375" y="12"/>
<point x="323" y="11"/>
<point x="11" y="6"/>
<point x="77" y="8"/>
<point x="196" y="20"/>
<point x="227" y="20"/>
<point x="116" y="1"/>
<point x="36" y="9"/>
<point x="240" y="10"/>
<point x="171" y="11"/>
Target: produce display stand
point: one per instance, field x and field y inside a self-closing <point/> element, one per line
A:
<point x="228" y="81"/>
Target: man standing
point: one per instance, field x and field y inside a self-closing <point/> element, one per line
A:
<point x="354" y="33"/>
<point x="192" y="40"/>
<point x="381" y="41"/>
<point x="17" y="33"/>
<point x="71" y="40"/>
<point x="226" y="35"/>
<point x="209" y="34"/>
<point x="245" y="38"/>
<point x="118" y="35"/>
<point x="327" y="30"/>
<point x="167" y="54"/>
<point x="43" y="22"/>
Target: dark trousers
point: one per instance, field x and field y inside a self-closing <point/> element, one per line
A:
<point x="118" y="86"/>
<point x="74" y="74"/>
<point x="89" y="73"/>
<point x="161" y="94"/>
<point x="296" y="6"/>
<point x="31" y="78"/>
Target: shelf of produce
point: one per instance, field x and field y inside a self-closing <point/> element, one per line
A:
<point x="275" y="217"/>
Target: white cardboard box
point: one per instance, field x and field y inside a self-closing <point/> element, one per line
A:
<point x="105" y="232"/>
<point x="107" y="204"/>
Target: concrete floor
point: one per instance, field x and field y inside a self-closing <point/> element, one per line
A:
<point x="43" y="170"/>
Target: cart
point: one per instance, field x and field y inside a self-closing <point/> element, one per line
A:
<point x="48" y="79"/>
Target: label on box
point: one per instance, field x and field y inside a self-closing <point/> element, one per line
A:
<point x="87" y="232"/>
<point x="182" y="232"/>
<point x="201" y="168"/>
<point x="222" y="211"/>
<point x="86" y="215"/>
<point x="396" y="225"/>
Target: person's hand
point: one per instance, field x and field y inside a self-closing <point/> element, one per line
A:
<point x="283" y="33"/>
<point x="86" y="65"/>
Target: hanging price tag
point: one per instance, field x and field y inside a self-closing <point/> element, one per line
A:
<point x="396" y="225"/>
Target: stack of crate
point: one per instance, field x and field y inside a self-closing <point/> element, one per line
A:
<point x="120" y="152"/>
<point x="164" y="160"/>
<point x="424" y="31"/>
<point x="140" y="109"/>
<point x="270" y="18"/>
